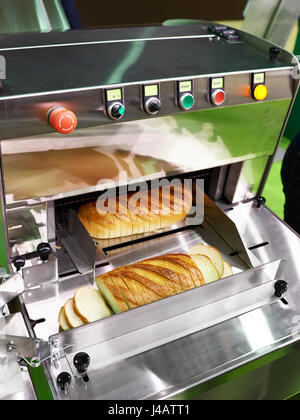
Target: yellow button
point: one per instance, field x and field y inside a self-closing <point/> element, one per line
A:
<point x="260" y="92"/>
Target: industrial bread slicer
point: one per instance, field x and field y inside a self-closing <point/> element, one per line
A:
<point x="85" y="111"/>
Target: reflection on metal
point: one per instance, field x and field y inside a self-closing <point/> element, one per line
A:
<point x="244" y="179"/>
<point x="32" y="16"/>
<point x="136" y="49"/>
<point x="258" y="334"/>
<point x="11" y="288"/>
<point x="82" y="257"/>
<point x="27" y="227"/>
<point x="272" y="19"/>
<point x="184" y="143"/>
<point x="41" y="274"/>
<point x="283" y="22"/>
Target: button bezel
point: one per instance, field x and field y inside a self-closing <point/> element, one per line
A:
<point x="215" y="89"/>
<point x="181" y="100"/>
<point x="214" y="95"/>
<point x="181" y="95"/>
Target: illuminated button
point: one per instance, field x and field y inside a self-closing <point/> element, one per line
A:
<point x="186" y="101"/>
<point x="62" y="120"/>
<point x="152" y="106"/>
<point x="116" y="110"/>
<point x="218" y="97"/>
<point x="260" y="92"/>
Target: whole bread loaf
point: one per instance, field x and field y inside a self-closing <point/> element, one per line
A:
<point x="136" y="213"/>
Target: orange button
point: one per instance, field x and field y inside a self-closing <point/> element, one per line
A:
<point x="63" y="120"/>
<point x="260" y="92"/>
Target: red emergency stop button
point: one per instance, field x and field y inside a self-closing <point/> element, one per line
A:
<point x="62" y="120"/>
<point x="218" y="97"/>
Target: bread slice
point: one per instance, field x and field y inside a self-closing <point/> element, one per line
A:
<point x="189" y="279"/>
<point x="124" y="292"/>
<point x="138" y="209"/>
<point x="174" y="279"/>
<point x="124" y="218"/>
<point x="212" y="253"/>
<point x="175" y="203"/>
<point x="227" y="270"/>
<point x="207" y="268"/>
<point x="141" y="284"/>
<point x="172" y="273"/>
<point x="116" y="304"/>
<point x="73" y="320"/>
<point x="116" y="292"/>
<point x="191" y="267"/>
<point x="132" y="286"/>
<point x="179" y="267"/>
<point x="62" y="320"/>
<point x="161" y="276"/>
<point x="90" y="305"/>
<point x="150" y="279"/>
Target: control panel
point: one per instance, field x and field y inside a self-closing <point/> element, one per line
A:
<point x="138" y="101"/>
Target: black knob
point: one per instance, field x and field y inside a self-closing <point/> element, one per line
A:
<point x="117" y="111"/>
<point x="217" y="29"/>
<point x="44" y="250"/>
<point x="19" y="262"/>
<point x="63" y="381"/>
<point x="228" y="33"/>
<point x="261" y="201"/>
<point x="274" y="53"/>
<point x="281" y="288"/>
<point x="154" y="106"/>
<point x="82" y="362"/>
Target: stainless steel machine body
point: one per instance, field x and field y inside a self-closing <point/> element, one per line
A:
<point x="175" y="344"/>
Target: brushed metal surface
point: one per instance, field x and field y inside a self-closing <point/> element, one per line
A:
<point x="53" y="167"/>
<point x="283" y="22"/>
<point x="16" y="383"/>
<point x="104" y="35"/>
<point x="258" y="16"/>
<point x="27" y="116"/>
<point x="11" y="288"/>
<point x="276" y="19"/>
<point x="123" y="61"/>
<point x="170" y="369"/>
<point x="27" y="227"/>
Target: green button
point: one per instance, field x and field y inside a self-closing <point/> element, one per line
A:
<point x="188" y="101"/>
<point x="121" y="110"/>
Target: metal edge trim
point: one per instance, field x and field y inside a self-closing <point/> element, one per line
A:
<point x="76" y="44"/>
